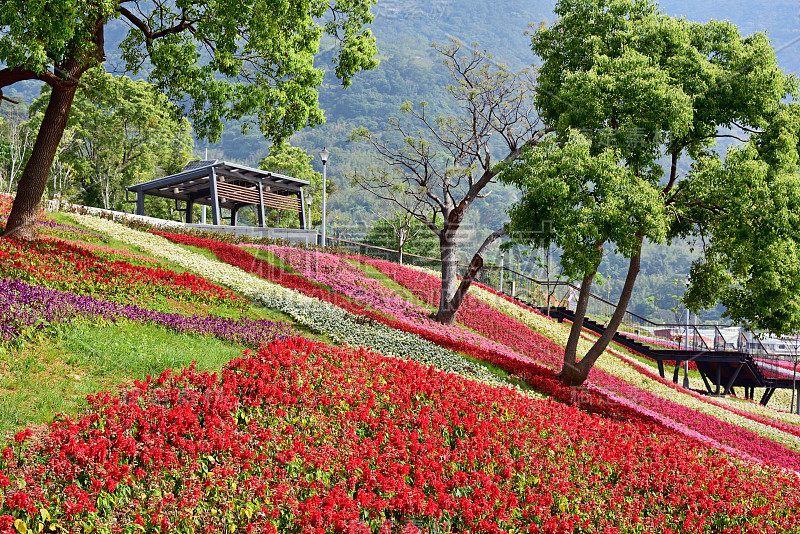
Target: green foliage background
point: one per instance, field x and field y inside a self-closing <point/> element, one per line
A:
<point x="409" y="71"/>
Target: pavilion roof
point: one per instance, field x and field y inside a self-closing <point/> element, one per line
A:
<point x="192" y="184"/>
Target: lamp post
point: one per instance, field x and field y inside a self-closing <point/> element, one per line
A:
<point x="309" y="200"/>
<point x="502" y="268"/>
<point x="324" y="155"/>
<point x="686" y="362"/>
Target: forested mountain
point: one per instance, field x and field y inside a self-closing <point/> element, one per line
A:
<point x="410" y="70"/>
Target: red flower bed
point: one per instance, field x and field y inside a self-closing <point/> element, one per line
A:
<point x="64" y="266"/>
<point x="538" y="376"/>
<point x="310" y="438"/>
<point x="489" y="321"/>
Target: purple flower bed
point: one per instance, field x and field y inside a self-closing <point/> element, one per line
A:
<point x="25" y="308"/>
<point x="49" y="226"/>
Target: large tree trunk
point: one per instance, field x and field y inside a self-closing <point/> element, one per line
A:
<point x="21" y="221"/>
<point x="575" y="375"/>
<point x="449" y="255"/>
<point x="447" y="313"/>
<point x="571" y="350"/>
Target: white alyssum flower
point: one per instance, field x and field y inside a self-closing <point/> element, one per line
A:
<point x="339" y="325"/>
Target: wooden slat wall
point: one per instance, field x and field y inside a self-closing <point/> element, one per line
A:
<point x="281" y="202"/>
<point x="248" y="196"/>
<point x="237" y="193"/>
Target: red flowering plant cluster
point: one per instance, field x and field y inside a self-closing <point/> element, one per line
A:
<point x="104" y="250"/>
<point x="538" y="376"/>
<point x="487" y="320"/>
<point x="305" y="437"/>
<point x="65" y="266"/>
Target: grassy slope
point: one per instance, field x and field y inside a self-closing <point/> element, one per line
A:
<point x="55" y="375"/>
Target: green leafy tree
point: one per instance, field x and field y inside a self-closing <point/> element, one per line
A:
<point x="217" y="60"/>
<point x="748" y="207"/>
<point x="293" y="161"/>
<point x="636" y="85"/>
<point x="120" y="132"/>
<point x="404" y="233"/>
<point x="587" y="200"/>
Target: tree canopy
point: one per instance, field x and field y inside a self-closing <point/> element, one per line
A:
<point x="747" y="208"/>
<point x="120" y="132"/>
<point x="216" y="60"/>
<point x="624" y="85"/>
<point x="403" y="232"/>
<point x="294" y="161"/>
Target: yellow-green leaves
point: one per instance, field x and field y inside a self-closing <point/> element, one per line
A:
<point x="220" y="59"/>
<point x="579" y="200"/>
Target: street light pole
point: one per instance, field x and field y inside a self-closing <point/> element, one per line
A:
<point x="686" y="362"/>
<point x="324" y="155"/>
<point x="309" y="200"/>
<point x="502" y="268"/>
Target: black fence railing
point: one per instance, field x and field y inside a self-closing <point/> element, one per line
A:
<point x="556" y="293"/>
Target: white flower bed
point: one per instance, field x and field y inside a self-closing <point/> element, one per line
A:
<point x="339" y="325"/>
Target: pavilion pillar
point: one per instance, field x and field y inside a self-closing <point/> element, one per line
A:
<point x="212" y="180"/>
<point x="234" y="213"/>
<point x="303" y="210"/>
<point x="139" y="202"/>
<point x="189" y="210"/>
<point x="262" y="218"/>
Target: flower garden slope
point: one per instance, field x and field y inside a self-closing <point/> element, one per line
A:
<point x="332" y="271"/>
<point x="710" y="429"/>
<point x="346" y="279"/>
<point x="555" y="331"/>
<point x="25" y="309"/>
<point x="749" y="442"/>
<point x="333" y="321"/>
<point x="70" y="267"/>
<point x="539" y="377"/>
<point x="613" y="376"/>
<point x="310" y="438"/>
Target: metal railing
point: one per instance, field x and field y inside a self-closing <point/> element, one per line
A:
<point x="555" y="293"/>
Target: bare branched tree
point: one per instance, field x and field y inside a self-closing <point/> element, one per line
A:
<point x="403" y="226"/>
<point x="20" y="142"/>
<point x="444" y="164"/>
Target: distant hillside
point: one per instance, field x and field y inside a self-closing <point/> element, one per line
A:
<point x="410" y="70"/>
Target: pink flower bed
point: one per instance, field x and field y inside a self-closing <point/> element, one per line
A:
<point x="474" y="313"/>
<point x="653" y="342"/>
<point x="486" y="319"/>
<point x="783" y="364"/>
<point x="350" y="281"/>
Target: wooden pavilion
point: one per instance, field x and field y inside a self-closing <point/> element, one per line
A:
<point x="221" y="184"/>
